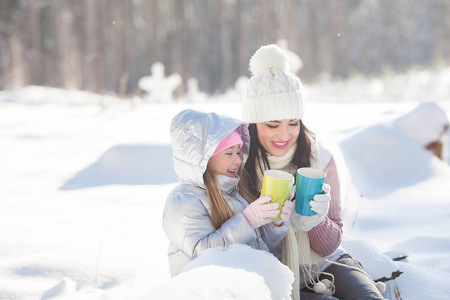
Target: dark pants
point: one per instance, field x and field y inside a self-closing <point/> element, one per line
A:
<point x="350" y="284"/>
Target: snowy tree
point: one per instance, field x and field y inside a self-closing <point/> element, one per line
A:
<point x="193" y="92"/>
<point x="159" y="88"/>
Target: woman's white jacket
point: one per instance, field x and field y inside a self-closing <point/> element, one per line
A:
<point x="187" y="214"/>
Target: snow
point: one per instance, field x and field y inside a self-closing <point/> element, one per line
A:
<point x="433" y="123"/>
<point x="276" y="276"/>
<point x="376" y="264"/>
<point x="84" y="178"/>
<point x="158" y="87"/>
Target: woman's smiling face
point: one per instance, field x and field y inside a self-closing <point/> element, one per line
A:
<point x="278" y="137"/>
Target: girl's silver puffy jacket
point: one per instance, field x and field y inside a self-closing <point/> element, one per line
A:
<point x="186" y="218"/>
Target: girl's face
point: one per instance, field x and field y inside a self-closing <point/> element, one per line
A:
<point x="226" y="162"/>
<point x="278" y="137"/>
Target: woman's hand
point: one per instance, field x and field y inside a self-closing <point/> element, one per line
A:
<point x="320" y="205"/>
<point x="321" y="202"/>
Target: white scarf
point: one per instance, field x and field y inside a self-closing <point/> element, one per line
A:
<point x="297" y="253"/>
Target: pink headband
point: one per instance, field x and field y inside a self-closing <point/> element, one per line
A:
<point x="233" y="139"/>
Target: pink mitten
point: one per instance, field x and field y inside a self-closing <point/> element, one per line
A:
<point x="261" y="211"/>
<point x="285" y="215"/>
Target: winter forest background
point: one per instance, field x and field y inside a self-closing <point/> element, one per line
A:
<point x="106" y="46"/>
<point x="88" y="89"/>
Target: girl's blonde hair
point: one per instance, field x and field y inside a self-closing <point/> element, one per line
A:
<point x="220" y="210"/>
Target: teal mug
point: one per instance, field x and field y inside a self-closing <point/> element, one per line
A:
<point x="308" y="183"/>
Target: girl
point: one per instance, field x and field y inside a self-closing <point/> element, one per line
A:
<point x="279" y="140"/>
<point x="205" y="210"/>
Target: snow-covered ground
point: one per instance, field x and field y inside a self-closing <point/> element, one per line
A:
<point x="84" y="177"/>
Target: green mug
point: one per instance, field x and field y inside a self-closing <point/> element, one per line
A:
<point x="278" y="185"/>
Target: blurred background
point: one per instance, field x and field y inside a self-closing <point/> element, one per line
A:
<point x="88" y="89"/>
<point x="106" y="46"/>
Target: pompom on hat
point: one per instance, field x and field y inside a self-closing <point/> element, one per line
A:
<point x="273" y="93"/>
<point x="233" y="139"/>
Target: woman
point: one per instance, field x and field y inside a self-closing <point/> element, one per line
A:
<point x="205" y="210"/>
<point x="279" y="140"/>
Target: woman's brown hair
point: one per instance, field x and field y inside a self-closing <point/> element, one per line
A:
<point x="257" y="158"/>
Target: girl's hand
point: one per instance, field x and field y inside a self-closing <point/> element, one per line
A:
<point x="260" y="212"/>
<point x="285" y="215"/>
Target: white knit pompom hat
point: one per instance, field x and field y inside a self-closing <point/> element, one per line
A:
<point x="273" y="93"/>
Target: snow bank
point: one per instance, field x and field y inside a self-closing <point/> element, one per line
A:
<point x="108" y="240"/>
<point x="416" y="86"/>
<point x="214" y="282"/>
<point x="417" y="283"/>
<point x="35" y="95"/>
<point x="127" y="164"/>
<point x="375" y="263"/>
<point x="240" y="272"/>
<point x="383" y="157"/>
<point x="425" y="124"/>
<point x="277" y="276"/>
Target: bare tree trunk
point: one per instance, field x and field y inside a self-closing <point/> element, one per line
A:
<point x="441" y="30"/>
<point x="60" y="44"/>
<point x="17" y="62"/>
<point x="264" y="26"/>
<point x="35" y="60"/>
<point x="100" y="28"/>
<point x="335" y="20"/>
<point x="339" y="62"/>
<point x="106" y="46"/>
<point x="90" y="52"/>
<point x="240" y="40"/>
<point x="313" y="39"/>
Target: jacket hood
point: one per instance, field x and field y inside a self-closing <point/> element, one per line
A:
<point x="195" y="136"/>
